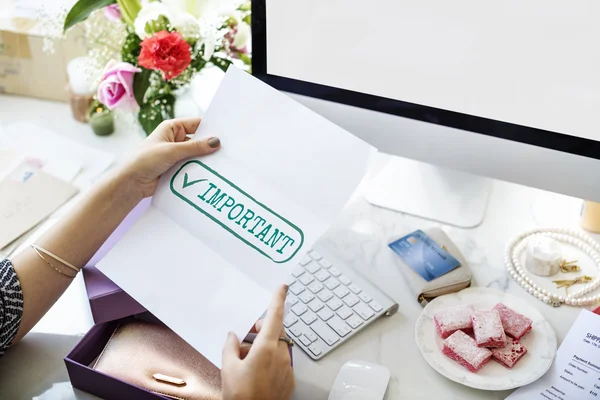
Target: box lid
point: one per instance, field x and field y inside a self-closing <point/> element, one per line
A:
<point x="107" y="300"/>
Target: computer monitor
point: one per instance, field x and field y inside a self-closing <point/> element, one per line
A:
<point x="506" y="89"/>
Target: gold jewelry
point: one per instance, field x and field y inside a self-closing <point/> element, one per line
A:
<point x="289" y="341"/>
<point x="57" y="258"/>
<point x="569" y="266"/>
<point x="50" y="264"/>
<point x="567" y="283"/>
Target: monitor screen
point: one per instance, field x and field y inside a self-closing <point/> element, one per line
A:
<point x="532" y="63"/>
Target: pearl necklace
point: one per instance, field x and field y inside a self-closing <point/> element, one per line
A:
<point x="572" y="237"/>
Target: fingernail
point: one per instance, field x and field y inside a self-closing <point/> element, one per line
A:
<point x="214" y="142"/>
<point x="286" y="287"/>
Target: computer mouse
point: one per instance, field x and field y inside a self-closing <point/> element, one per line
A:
<point x="360" y="380"/>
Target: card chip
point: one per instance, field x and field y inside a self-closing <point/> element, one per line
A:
<point x="412" y="240"/>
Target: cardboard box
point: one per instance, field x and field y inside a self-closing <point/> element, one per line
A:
<point x="25" y="69"/>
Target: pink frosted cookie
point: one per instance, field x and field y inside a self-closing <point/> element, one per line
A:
<point x="462" y="348"/>
<point x="515" y="324"/>
<point x="452" y="319"/>
<point x="509" y="354"/>
<point x="488" y="329"/>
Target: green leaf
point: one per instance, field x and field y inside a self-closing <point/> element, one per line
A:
<point x="248" y="19"/>
<point x="129" y="10"/>
<point x="149" y="118"/>
<point x="141" y="83"/>
<point x="222" y="63"/>
<point x="82" y="10"/>
<point x="131" y="48"/>
<point x="155" y="111"/>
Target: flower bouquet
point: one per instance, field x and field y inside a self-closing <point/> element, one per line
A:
<point x="155" y="48"/>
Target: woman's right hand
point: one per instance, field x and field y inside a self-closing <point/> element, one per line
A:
<point x="265" y="373"/>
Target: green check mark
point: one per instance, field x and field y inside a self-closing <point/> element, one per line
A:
<point x="187" y="183"/>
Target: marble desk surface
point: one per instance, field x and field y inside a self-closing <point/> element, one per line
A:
<point x="34" y="368"/>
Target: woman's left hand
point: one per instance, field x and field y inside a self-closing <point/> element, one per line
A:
<point x="164" y="148"/>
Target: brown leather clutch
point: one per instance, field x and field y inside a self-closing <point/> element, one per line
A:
<point x="153" y="357"/>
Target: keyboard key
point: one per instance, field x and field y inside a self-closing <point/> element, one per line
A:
<point x="339" y="326"/>
<point x="341" y="291"/>
<point x="290" y="320"/>
<point x="365" y="297"/>
<point x="325" y="314"/>
<point x="305" y="260"/>
<point x="332" y="283"/>
<point x="335" y="272"/>
<point x="325" y="264"/>
<point x="354" y="289"/>
<point x="296" y="288"/>
<point x="315" y="256"/>
<point x="325" y="295"/>
<point x="345" y="280"/>
<point x="306" y="279"/>
<point x="316" y="305"/>
<point x="322" y="275"/>
<point x="296" y="330"/>
<point x="291" y="300"/>
<point x="304" y="340"/>
<point x="299" y="309"/>
<point x="315" y="349"/>
<point x="351" y="300"/>
<point x="310" y="335"/>
<point x="344" y="312"/>
<point x="291" y="280"/>
<point x="298" y="271"/>
<point x="309" y="318"/>
<point x="316" y="287"/>
<point x="363" y="310"/>
<point x="376" y="306"/>
<point x="325" y="333"/>
<point x="306" y="297"/>
<point x="334" y="303"/>
<point x="354" y="321"/>
<point x="313" y="267"/>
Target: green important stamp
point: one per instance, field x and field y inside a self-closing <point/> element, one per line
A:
<point x="249" y="220"/>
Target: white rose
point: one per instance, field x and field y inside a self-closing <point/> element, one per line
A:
<point x="242" y="36"/>
<point x="185" y="23"/>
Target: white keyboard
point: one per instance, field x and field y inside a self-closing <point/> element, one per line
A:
<point x="329" y="303"/>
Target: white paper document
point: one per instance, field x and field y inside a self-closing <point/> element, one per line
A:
<point x="223" y="231"/>
<point x="575" y="373"/>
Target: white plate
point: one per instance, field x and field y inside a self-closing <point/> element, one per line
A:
<point x="540" y="342"/>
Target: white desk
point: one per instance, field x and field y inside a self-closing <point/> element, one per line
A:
<point x="35" y="367"/>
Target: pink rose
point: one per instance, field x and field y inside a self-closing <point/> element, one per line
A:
<point x="113" y="12"/>
<point x="116" y="86"/>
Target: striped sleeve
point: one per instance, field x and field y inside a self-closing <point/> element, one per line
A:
<point x="11" y="304"/>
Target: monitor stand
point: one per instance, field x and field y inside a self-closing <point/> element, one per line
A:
<point x="439" y="194"/>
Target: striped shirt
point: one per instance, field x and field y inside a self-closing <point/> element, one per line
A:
<point x="11" y="305"/>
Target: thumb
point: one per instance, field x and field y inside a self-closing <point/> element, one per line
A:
<point x="194" y="148"/>
<point x="231" y="350"/>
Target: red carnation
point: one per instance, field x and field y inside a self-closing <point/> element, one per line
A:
<point x="167" y="52"/>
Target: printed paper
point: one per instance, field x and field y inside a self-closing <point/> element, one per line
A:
<point x="223" y="231"/>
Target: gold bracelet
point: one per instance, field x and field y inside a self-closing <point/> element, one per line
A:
<point x="50" y="264"/>
<point x="57" y="258"/>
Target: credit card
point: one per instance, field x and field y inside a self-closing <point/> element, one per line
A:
<point x="424" y="255"/>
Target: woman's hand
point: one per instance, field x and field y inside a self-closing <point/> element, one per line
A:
<point x="265" y="373"/>
<point x="165" y="147"/>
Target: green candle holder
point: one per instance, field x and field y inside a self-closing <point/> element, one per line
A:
<point x="102" y="120"/>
